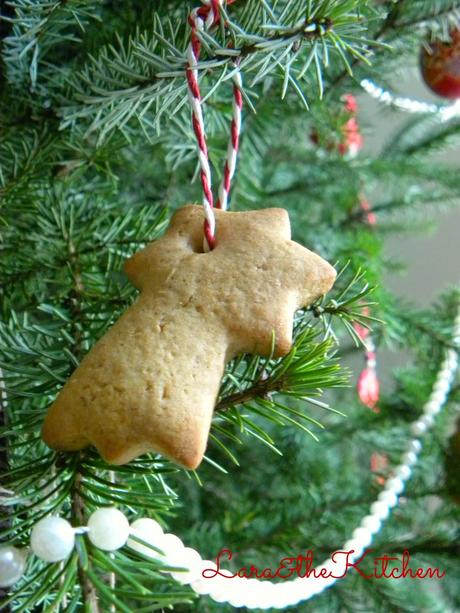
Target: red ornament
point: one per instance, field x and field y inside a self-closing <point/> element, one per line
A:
<point x="379" y="465"/>
<point x="379" y="462"/>
<point x="369" y="215"/>
<point x="368" y="388"/>
<point x="351" y="140"/>
<point x="440" y="64"/>
<point x="350" y="103"/>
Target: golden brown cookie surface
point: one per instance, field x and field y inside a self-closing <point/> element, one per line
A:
<point x="150" y="384"/>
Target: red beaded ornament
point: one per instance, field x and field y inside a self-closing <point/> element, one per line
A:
<point x="440" y="65"/>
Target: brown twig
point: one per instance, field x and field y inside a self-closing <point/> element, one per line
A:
<point x="78" y="506"/>
<point x="261" y="389"/>
<point x="78" y="512"/>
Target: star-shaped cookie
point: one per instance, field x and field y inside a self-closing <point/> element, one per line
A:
<point x="151" y="383"/>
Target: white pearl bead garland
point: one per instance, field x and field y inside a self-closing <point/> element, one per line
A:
<point x="444" y="112"/>
<point x="53" y="538"/>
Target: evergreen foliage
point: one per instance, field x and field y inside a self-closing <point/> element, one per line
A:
<point x="96" y="151"/>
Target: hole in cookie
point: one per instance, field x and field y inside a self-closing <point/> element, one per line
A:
<point x="194" y="239"/>
<point x="196" y="244"/>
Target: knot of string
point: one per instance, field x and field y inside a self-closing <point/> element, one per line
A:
<point x="204" y="17"/>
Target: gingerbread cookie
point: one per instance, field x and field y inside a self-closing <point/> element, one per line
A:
<point x="151" y="383"/>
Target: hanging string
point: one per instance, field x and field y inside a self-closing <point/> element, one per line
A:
<point x="200" y="18"/>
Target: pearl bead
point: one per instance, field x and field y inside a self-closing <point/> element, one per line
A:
<point x="418" y="428"/>
<point x="172" y="548"/>
<point x="415" y="446"/>
<point x="409" y="458"/>
<point x="258" y="601"/>
<point x="238" y="597"/>
<point x="253" y="593"/>
<point x="273" y="597"/>
<point x="201" y="586"/>
<point x="394" y="485"/>
<point x="319" y="584"/>
<point x="403" y="471"/>
<point x="428" y="420"/>
<point x="108" y="528"/>
<point x="438" y="396"/>
<point x="447" y="370"/>
<point x="12" y="564"/>
<point x="372" y="523"/>
<point x="431" y="408"/>
<point x="450" y="364"/>
<point x="362" y="535"/>
<point x="291" y="593"/>
<point x="441" y="386"/>
<point x="336" y="567"/>
<point x="52" y="539"/>
<point x="205" y="585"/>
<point x="380" y="510"/>
<point x="191" y="560"/>
<point x="149" y="531"/>
<point x="355" y="546"/>
<point x="220" y="587"/>
<point x="388" y="497"/>
<point x="220" y="595"/>
<point x="280" y="598"/>
<point x="301" y="587"/>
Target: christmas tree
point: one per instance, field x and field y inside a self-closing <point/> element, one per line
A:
<point x="97" y="152"/>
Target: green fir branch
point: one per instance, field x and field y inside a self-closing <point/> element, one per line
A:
<point x="36" y="27"/>
<point x="124" y="83"/>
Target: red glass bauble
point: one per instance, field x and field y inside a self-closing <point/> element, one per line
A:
<point x="440" y="63"/>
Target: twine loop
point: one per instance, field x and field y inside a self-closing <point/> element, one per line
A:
<point x="204" y="17"/>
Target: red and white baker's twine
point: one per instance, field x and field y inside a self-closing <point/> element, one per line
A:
<point x="202" y="17"/>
